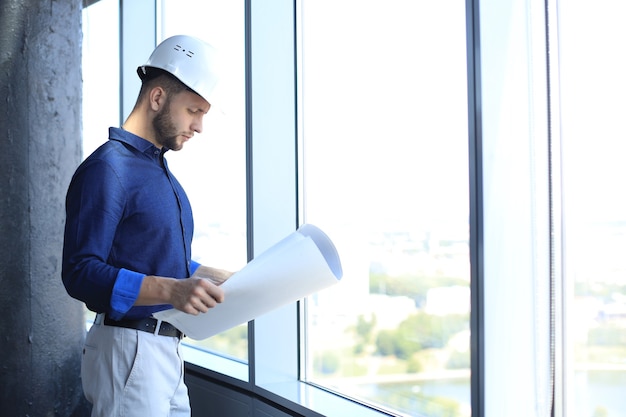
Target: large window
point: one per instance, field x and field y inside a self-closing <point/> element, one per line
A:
<point x="385" y="173"/>
<point x="593" y="87"/>
<point x="212" y="166"/>
<point x="358" y="124"/>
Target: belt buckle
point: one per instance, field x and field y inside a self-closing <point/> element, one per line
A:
<point x="157" y="328"/>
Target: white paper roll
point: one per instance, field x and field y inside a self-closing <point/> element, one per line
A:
<point x="301" y="264"/>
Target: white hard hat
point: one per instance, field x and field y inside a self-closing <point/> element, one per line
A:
<point x="189" y="59"/>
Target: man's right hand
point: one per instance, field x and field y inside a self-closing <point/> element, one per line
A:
<point x="196" y="295"/>
<point x="190" y="295"/>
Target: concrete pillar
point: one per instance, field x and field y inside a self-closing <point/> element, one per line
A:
<point x="41" y="328"/>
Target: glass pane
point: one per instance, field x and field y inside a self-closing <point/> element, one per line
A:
<point x="101" y="107"/>
<point x="212" y="166"/>
<point x="593" y="64"/>
<point x="385" y="174"/>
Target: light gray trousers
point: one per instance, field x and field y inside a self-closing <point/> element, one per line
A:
<point x="131" y="373"/>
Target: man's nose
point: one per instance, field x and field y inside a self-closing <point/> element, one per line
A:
<point x="197" y="126"/>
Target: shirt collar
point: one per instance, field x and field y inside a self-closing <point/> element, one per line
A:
<point x="137" y="142"/>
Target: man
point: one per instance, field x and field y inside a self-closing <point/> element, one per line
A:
<point x="128" y="234"/>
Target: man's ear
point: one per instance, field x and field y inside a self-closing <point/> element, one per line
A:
<point x="157" y="98"/>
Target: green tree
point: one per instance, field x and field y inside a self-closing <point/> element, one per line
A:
<point x="385" y="345"/>
<point x="459" y="360"/>
<point x="600" y="412"/>
<point x="412" y="286"/>
<point x="365" y="327"/>
<point x="364" y="332"/>
<point x="326" y="363"/>
<point x="607" y="335"/>
<point x="420" y="331"/>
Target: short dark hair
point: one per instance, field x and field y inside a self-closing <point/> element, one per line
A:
<point x="158" y="77"/>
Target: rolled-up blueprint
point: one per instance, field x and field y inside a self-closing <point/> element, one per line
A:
<point x="301" y="264"/>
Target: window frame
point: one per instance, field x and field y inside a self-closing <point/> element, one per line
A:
<point x="474" y="122"/>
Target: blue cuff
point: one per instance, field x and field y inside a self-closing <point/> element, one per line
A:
<point x="193" y="265"/>
<point x="125" y="292"/>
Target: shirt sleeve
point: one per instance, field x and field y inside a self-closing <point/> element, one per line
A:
<point x="125" y="292"/>
<point x="95" y="205"/>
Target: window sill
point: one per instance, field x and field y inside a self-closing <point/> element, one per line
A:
<point x="310" y="398"/>
<point x="217" y="363"/>
<point x="300" y="397"/>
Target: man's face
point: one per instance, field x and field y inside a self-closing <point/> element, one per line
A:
<point x="179" y="119"/>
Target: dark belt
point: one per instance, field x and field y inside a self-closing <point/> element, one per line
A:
<point x="147" y="325"/>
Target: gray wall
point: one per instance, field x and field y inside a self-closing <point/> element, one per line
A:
<point x="41" y="328"/>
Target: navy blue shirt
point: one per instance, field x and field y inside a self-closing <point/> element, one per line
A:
<point x="126" y="217"/>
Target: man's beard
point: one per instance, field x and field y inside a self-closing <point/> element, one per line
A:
<point x="164" y="130"/>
